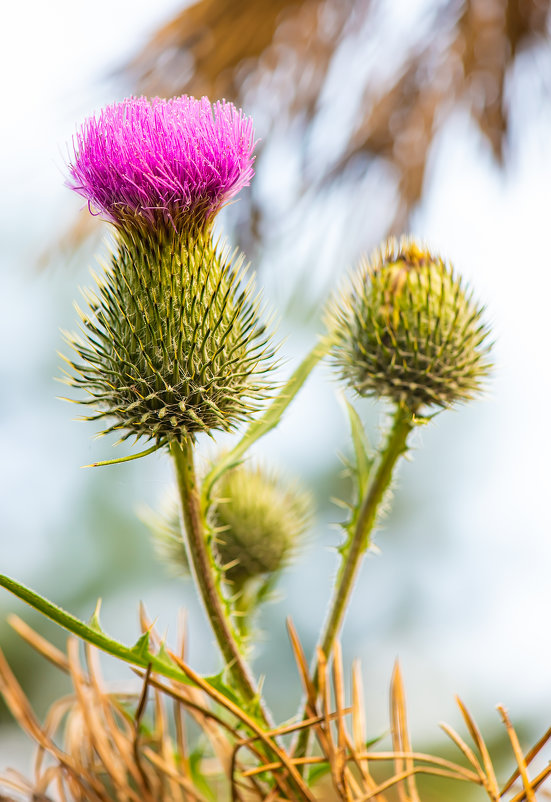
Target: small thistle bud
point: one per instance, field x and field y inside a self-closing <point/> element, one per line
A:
<point x="407" y="329"/>
<point x="257" y="520"/>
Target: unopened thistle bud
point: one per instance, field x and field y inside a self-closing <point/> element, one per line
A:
<point x="408" y="330"/>
<point x="257" y="520"/>
<point x="172" y="344"/>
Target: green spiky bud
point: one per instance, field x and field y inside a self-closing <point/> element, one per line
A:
<point x="257" y="520"/>
<point x="172" y="342"/>
<point x="407" y="329"/>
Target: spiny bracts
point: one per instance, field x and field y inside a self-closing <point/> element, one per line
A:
<point x="405" y="328"/>
<point x="172" y="344"/>
<point x="256" y="519"/>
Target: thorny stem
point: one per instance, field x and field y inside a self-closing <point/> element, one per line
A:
<point x="201" y="564"/>
<point x="353" y="552"/>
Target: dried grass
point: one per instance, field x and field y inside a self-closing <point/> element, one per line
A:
<point x="100" y="746"/>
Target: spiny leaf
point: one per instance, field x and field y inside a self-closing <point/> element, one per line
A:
<point x="94" y="622"/>
<point x="138" y="657"/>
<point x="362" y="451"/>
<point x="141" y="647"/>
<point x="219" y="682"/>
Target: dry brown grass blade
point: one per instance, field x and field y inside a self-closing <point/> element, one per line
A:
<point x="519" y="756"/>
<point x="536" y="783"/>
<point x="346" y="781"/>
<point x="357" y="746"/>
<point x="400" y="735"/>
<point x="120" y="729"/>
<point x="358" y="708"/>
<point x="235" y="710"/>
<point x="61" y="708"/>
<point x="532" y="753"/>
<point x="21" y="710"/>
<point x="304" y="672"/>
<point x="404" y="776"/>
<point x="437" y="762"/>
<point x="217" y="35"/>
<point x="209" y="724"/>
<point x="192" y="794"/>
<point x="476" y="735"/>
<point x="100" y="739"/>
<point x="38" y="643"/>
<point x="467" y="751"/>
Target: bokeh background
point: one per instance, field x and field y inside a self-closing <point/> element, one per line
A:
<point x="373" y="118"/>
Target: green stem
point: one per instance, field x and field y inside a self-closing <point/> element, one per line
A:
<point x="203" y="570"/>
<point x="354" y="550"/>
<point x="394" y="447"/>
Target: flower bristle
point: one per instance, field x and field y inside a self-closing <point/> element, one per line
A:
<point x="172" y="344"/>
<point x="161" y="159"/>
<point x="406" y="328"/>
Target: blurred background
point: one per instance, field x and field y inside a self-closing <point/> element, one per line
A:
<point x="373" y="118"/>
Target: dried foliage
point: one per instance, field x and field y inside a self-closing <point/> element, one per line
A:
<point x="276" y="59"/>
<point x="100" y="746"/>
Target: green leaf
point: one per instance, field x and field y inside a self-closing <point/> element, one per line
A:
<point x="138" y="655"/>
<point x="199" y="780"/>
<point x="118" y="460"/>
<point x="141" y="647"/>
<point x="269" y="420"/>
<point x="219" y="683"/>
<point x="362" y="451"/>
<point x="318" y="771"/>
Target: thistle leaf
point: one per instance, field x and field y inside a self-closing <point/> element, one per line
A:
<point x="363" y="454"/>
<point x="268" y="420"/>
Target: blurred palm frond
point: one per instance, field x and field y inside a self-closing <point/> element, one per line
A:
<point x="291" y="63"/>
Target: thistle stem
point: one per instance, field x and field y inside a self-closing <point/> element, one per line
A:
<point x="353" y="552"/>
<point x="201" y="563"/>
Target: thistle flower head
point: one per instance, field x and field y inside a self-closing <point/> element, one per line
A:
<point x="177" y="160"/>
<point x="407" y="329"/>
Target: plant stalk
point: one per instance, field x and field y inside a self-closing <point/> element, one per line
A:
<point x="201" y="564"/>
<point x="354" y="551"/>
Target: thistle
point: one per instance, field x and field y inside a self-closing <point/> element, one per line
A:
<point x="177" y="160"/>
<point x="257" y="519"/>
<point x="172" y="344"/>
<point x="408" y="330"/>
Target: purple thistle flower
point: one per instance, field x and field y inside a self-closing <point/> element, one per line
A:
<point x="179" y="160"/>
